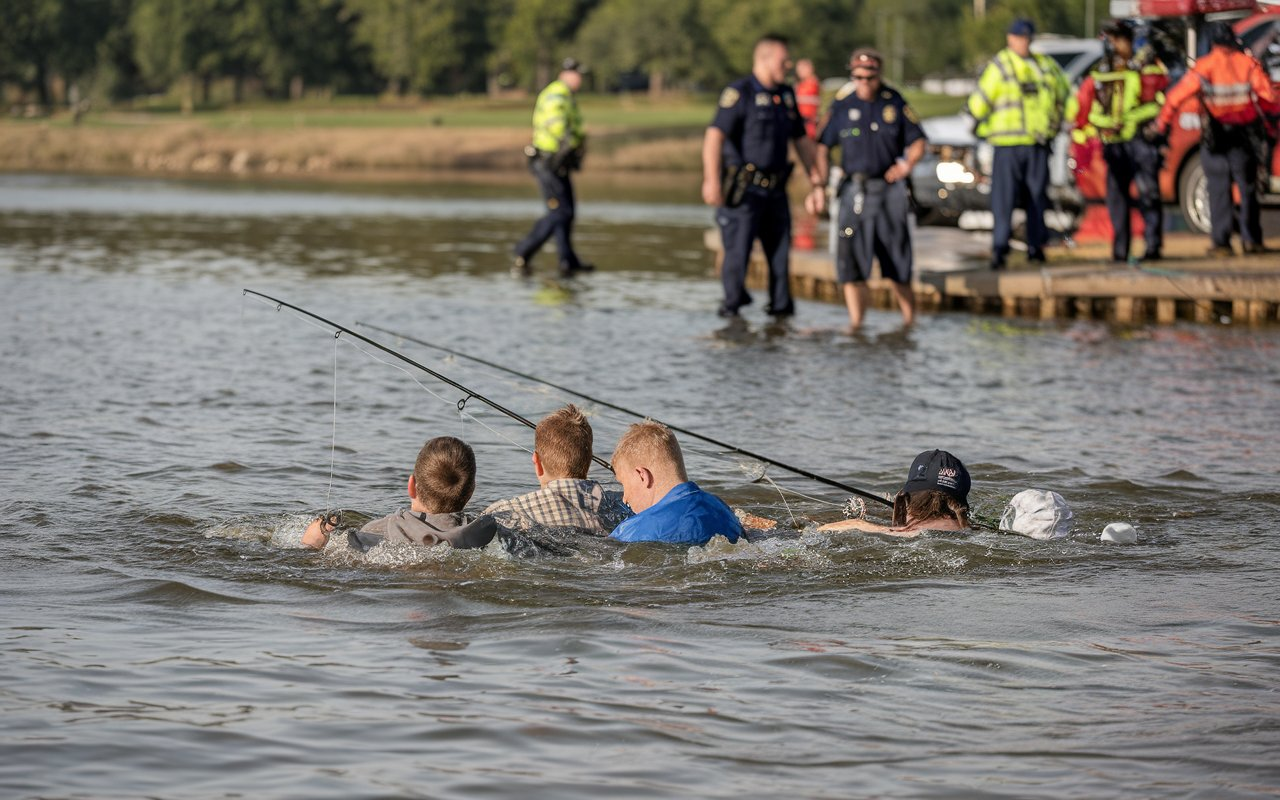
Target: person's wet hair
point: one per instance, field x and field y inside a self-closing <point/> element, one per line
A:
<point x="563" y="441"/>
<point x="445" y="474"/>
<point x="929" y="504"/>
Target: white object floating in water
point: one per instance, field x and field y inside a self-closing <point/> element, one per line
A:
<point x="1120" y="533"/>
<point x="1038" y="513"/>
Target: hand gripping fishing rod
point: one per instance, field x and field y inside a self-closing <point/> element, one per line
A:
<point x="729" y="447"/>
<point x="340" y="329"/>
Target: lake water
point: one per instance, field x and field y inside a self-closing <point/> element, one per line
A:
<point x="165" y="439"/>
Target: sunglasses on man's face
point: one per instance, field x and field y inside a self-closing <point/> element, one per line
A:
<point x="865" y="76"/>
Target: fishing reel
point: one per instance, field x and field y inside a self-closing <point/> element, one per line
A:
<point x="330" y="521"/>
<point x="854" y="508"/>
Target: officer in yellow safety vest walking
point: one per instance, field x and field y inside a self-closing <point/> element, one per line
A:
<point x="1119" y="102"/>
<point x="559" y="141"/>
<point x="1017" y="107"/>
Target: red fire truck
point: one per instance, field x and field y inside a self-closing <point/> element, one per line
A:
<point x="1172" y="27"/>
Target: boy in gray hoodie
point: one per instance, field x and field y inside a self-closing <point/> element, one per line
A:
<point x="442" y="481"/>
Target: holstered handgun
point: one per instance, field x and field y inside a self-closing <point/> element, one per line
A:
<point x="734" y="181"/>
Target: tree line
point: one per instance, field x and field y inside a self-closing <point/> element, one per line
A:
<point x="66" y="51"/>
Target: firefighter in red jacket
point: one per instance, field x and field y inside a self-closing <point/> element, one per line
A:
<point x="808" y="96"/>
<point x="1237" y="94"/>
<point x="1119" y="101"/>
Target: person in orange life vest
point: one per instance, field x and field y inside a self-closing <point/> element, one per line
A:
<point x="1236" y="92"/>
<point x="808" y="96"/>
<point x="1118" y="101"/>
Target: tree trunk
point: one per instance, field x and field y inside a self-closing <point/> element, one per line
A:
<point x="42" y="86"/>
<point x="295" y="87"/>
<point x="657" y="83"/>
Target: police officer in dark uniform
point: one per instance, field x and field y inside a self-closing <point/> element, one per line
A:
<point x="880" y="140"/>
<point x="745" y="170"/>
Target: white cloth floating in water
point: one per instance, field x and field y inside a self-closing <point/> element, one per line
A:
<point x="1120" y="533"/>
<point x="1038" y="513"/>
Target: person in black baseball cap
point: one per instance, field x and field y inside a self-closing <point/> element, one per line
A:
<point x="935" y="497"/>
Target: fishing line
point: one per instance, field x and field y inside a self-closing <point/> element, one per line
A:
<point x="783" y="497"/>
<point x="338" y="330"/>
<point x="1169" y="275"/>
<point x="726" y="446"/>
<point x="333" y="441"/>
<point x="463" y="414"/>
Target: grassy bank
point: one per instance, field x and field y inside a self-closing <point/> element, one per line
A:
<point x="361" y="137"/>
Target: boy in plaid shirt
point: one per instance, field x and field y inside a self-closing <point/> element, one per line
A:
<point x="567" y="497"/>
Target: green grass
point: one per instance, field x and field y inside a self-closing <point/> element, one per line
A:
<point x="933" y="105"/>
<point x="639" y="113"/>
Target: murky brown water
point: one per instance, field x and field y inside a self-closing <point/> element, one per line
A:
<point x="165" y="438"/>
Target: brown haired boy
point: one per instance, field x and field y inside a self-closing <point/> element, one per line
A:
<point x="567" y="498"/>
<point x="443" y="478"/>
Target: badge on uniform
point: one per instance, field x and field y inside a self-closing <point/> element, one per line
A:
<point x="729" y="97"/>
<point x="764" y="99"/>
<point x="890" y="114"/>
<point x="855" y="114"/>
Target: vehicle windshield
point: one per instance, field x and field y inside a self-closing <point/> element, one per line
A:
<point x="1063" y="59"/>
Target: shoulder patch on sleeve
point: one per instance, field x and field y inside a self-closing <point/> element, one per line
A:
<point x="729" y="97"/>
<point x="910" y="114"/>
<point x="845" y="91"/>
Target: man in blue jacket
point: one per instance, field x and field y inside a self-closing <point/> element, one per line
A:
<point x="669" y="507"/>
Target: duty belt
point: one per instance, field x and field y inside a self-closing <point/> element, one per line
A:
<point x="762" y="179"/>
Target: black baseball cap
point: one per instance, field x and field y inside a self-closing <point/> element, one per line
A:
<point x="938" y="469"/>
<point x="1022" y="27"/>
<point x="572" y="64"/>
<point x="1121" y="28"/>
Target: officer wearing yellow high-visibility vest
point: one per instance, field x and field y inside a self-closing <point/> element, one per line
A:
<point x="559" y="141"/>
<point x="1018" y="109"/>
<point x="1119" y="102"/>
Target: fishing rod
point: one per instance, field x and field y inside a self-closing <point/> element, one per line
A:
<point x="341" y="329"/>
<point x="731" y="448"/>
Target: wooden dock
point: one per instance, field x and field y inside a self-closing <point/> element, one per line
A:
<point x="1079" y="282"/>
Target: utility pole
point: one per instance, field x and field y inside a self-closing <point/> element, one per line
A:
<point x="979" y="9"/>
<point x="899" y="48"/>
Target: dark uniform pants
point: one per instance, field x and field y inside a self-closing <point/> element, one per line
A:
<point x="1019" y="176"/>
<point x="1237" y="165"/>
<point x="873" y="224"/>
<point x="1136" y="161"/>
<point x="557" y="191"/>
<point x="765" y="216"/>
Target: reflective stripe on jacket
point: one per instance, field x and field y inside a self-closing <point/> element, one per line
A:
<point x="1232" y="85"/>
<point x="556" y="118"/>
<point x="1117" y="109"/>
<point x="1019" y="100"/>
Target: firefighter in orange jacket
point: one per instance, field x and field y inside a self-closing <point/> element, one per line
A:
<point x="1119" y="102"/>
<point x="1236" y="92"/>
